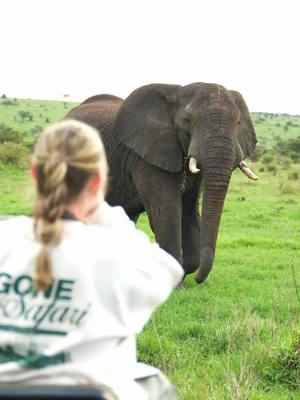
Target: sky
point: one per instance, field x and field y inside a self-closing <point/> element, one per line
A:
<point x="50" y="48"/>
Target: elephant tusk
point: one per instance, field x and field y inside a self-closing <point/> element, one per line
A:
<point x="247" y="171"/>
<point x="193" y="166"/>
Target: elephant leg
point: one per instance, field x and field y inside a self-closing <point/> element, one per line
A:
<point x="134" y="218"/>
<point x="191" y="230"/>
<point x="158" y="191"/>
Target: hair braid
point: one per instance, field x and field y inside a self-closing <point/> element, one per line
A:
<point x="48" y="226"/>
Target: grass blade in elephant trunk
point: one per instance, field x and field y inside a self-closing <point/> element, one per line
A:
<point x="214" y="194"/>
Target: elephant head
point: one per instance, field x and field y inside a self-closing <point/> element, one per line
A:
<point x="204" y="126"/>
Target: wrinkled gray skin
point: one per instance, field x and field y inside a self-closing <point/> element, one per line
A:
<point x="149" y="138"/>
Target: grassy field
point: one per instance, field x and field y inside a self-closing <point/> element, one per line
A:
<point x="270" y="126"/>
<point x="237" y="336"/>
<point x="43" y="112"/>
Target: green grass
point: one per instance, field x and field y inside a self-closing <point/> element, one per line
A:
<point x="237" y="336"/>
<point x="16" y="191"/>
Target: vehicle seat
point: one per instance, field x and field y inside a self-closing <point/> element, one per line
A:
<point x="51" y="393"/>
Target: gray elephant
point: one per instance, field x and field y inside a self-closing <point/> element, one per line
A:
<point x="163" y="143"/>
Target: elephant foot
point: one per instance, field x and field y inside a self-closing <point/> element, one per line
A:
<point x="206" y="263"/>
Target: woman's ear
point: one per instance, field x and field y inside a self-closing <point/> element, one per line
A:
<point x="33" y="171"/>
<point x="95" y="183"/>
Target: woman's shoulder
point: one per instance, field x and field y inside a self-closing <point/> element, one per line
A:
<point x="109" y="229"/>
<point x="107" y="216"/>
<point x="15" y="225"/>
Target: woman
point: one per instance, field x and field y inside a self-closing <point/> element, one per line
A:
<point x="78" y="282"/>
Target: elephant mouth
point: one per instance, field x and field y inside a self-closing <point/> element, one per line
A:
<point x="195" y="168"/>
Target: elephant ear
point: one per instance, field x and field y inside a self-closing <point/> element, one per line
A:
<point x="246" y="136"/>
<point x="145" y="125"/>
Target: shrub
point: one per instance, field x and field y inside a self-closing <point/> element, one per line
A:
<point x="37" y="129"/>
<point x="293" y="176"/>
<point x="271" y="168"/>
<point x="15" y="154"/>
<point x="8" y="134"/>
<point x="9" y="102"/>
<point x="267" y="159"/>
<point x="284" y="161"/>
<point x="289" y="148"/>
<point x="25" y="115"/>
<point x="259" y="152"/>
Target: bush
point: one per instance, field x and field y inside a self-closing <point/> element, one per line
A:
<point x="37" y="129"/>
<point x="259" y="152"/>
<point x="289" y="148"/>
<point x="8" y="134"/>
<point x="293" y="176"/>
<point x="267" y="159"/>
<point x="25" y="115"/>
<point x="14" y="154"/>
<point x="9" y="102"/>
<point x="271" y="168"/>
<point x="284" y="161"/>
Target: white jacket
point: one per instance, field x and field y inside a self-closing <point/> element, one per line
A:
<point x="109" y="279"/>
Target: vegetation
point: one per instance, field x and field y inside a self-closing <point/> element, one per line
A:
<point x="237" y="336"/>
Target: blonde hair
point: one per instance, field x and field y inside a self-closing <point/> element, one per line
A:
<point x="66" y="156"/>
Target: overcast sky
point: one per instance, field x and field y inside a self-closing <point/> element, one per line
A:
<point x="84" y="47"/>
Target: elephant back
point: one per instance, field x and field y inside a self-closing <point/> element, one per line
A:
<point x="98" y="111"/>
<point x="101" y="97"/>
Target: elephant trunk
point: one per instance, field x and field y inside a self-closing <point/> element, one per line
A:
<point x="216" y="163"/>
<point x="212" y="205"/>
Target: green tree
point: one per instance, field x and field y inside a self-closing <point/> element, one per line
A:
<point x="25" y="115"/>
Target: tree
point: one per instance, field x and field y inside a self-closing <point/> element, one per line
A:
<point x="66" y="96"/>
<point x="25" y="115"/>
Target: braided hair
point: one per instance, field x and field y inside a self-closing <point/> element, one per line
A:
<point x="66" y="156"/>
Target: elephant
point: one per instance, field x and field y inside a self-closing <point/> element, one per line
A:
<point x="166" y="145"/>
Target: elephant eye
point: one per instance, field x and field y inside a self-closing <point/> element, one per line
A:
<point x="187" y="121"/>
